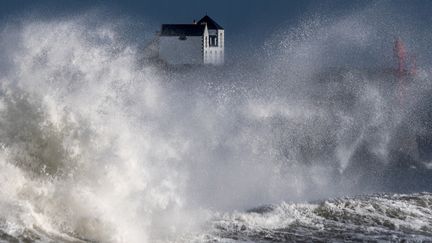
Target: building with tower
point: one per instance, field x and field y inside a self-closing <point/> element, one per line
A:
<point x="201" y="42"/>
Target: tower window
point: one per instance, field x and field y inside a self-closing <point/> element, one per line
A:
<point x="213" y="40"/>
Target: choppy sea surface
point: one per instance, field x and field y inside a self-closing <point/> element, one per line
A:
<point x="368" y="218"/>
<point x="373" y="218"/>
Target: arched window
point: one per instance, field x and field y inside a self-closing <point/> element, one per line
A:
<point x="213" y="40"/>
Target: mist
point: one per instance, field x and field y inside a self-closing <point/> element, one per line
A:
<point x="99" y="144"/>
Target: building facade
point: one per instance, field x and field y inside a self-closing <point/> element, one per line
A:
<point x="201" y="42"/>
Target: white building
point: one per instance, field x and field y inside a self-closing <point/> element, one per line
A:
<point x="199" y="43"/>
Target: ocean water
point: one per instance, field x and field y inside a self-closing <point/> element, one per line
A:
<point x="372" y="218"/>
<point x="99" y="145"/>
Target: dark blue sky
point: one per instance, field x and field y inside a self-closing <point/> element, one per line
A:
<point x="252" y="19"/>
<point x="247" y="23"/>
<point x="257" y="16"/>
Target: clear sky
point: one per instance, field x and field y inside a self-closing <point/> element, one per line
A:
<point x="252" y="18"/>
<point x="246" y="22"/>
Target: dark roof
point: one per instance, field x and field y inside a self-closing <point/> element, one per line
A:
<point x="211" y="24"/>
<point x="182" y="30"/>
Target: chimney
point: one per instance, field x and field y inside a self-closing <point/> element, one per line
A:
<point x="194" y="21"/>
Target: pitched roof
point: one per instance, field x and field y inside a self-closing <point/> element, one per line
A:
<point x="211" y="24"/>
<point x="182" y="30"/>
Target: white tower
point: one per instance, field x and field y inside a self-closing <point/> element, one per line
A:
<point x="202" y="42"/>
<point x="213" y="42"/>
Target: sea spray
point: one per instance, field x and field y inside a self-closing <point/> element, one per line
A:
<point x="98" y="145"/>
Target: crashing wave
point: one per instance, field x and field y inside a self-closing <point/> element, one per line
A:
<point x="96" y="145"/>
